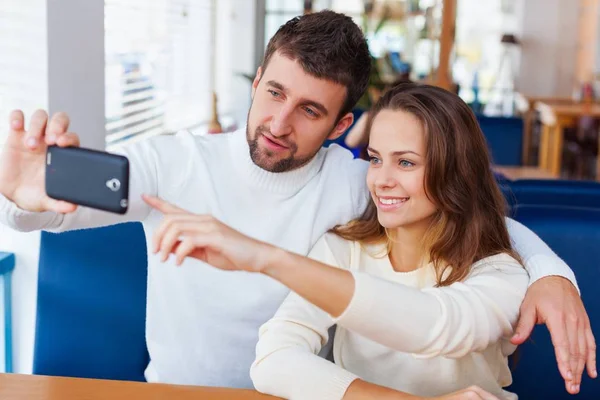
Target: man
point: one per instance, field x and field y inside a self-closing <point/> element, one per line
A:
<point x="272" y="181"/>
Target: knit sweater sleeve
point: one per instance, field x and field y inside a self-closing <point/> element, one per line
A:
<point x="449" y="321"/>
<point x="540" y="261"/>
<point x="145" y="166"/>
<point x="287" y="364"/>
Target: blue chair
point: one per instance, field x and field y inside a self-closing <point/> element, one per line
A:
<point x="564" y="193"/>
<point x="7" y="265"/>
<point x="91" y="304"/>
<point x="504" y="136"/>
<point x="574" y="234"/>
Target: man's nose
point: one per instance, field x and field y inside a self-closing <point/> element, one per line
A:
<point x="281" y="124"/>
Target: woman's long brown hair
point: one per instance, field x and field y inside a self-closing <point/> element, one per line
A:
<point x="469" y="223"/>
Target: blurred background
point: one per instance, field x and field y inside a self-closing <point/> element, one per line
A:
<point x="148" y="67"/>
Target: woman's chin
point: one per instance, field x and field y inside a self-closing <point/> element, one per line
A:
<point x="390" y="223"/>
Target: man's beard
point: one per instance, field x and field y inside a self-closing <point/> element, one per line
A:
<point x="261" y="157"/>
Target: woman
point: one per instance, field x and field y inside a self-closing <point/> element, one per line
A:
<point x="424" y="289"/>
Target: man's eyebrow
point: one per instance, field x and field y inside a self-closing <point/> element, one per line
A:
<point x="320" y="107"/>
<point x="277" y="85"/>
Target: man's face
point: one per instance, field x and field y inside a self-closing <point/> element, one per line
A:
<point x="292" y="114"/>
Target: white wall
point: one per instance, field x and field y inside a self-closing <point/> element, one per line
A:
<point x="548" y="32"/>
<point x="589" y="35"/>
<point x="235" y="54"/>
<point x="76" y="66"/>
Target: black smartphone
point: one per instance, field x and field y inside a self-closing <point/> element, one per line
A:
<point x="86" y="177"/>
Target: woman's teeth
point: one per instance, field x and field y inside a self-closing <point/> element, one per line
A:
<point x="393" y="201"/>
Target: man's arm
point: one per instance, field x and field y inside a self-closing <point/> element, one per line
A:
<point x="539" y="259"/>
<point x="142" y="180"/>
<point x="24" y="205"/>
<point x="553" y="299"/>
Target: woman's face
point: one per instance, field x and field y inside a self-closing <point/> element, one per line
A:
<point x="396" y="176"/>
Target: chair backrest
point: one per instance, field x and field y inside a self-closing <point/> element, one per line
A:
<point x="562" y="193"/>
<point x="574" y="234"/>
<point x="91" y="304"/>
<point x="504" y="136"/>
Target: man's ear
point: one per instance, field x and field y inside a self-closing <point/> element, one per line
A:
<point x="341" y="127"/>
<point x="256" y="80"/>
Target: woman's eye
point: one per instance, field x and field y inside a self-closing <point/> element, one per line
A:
<point x="373" y="160"/>
<point x="406" y="164"/>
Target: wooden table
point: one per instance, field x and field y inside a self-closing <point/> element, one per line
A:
<point x="516" y="173"/>
<point x="37" y="387"/>
<point x="525" y="106"/>
<point x="555" y="117"/>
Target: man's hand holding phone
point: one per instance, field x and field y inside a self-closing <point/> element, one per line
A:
<point x="23" y="160"/>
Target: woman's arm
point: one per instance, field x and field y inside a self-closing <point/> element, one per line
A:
<point x="449" y="321"/>
<point x="286" y="363"/>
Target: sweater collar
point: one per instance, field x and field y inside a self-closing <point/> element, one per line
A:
<point x="277" y="182"/>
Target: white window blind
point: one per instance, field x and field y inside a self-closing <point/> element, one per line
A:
<point x="278" y="12"/>
<point x="23" y="59"/>
<point x="158" y="66"/>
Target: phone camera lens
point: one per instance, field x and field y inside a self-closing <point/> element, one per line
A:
<point x="113" y="184"/>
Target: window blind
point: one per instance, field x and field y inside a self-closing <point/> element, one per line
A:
<point x="157" y="66"/>
<point x="23" y="59"/>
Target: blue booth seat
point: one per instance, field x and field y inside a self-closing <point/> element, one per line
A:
<point x="91" y="304"/>
<point x="504" y="136"/>
<point x="574" y="234"/>
<point x="564" y="193"/>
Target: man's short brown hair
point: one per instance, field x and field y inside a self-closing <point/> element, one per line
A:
<point x="329" y="46"/>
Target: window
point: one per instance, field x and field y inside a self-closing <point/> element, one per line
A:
<point x="278" y="12"/>
<point x="478" y="51"/>
<point x="158" y="66"/>
<point x="23" y="55"/>
<point x="400" y="36"/>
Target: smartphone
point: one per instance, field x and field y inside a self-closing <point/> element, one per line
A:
<point x="86" y="177"/>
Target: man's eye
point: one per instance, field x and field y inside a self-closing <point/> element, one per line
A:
<point x="310" y="112"/>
